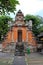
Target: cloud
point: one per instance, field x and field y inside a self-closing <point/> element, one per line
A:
<point x="30" y="6"/>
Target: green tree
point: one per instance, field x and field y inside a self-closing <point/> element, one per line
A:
<point x="8" y="6"/>
<point x="40" y="29"/>
<point x="36" y="23"/>
<point x="4" y="25"/>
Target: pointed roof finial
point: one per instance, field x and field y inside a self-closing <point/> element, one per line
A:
<point x="19" y="13"/>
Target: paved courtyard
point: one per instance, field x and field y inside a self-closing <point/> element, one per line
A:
<point x="31" y="59"/>
<point x="6" y="58"/>
<point x="35" y="59"/>
<point x="6" y="55"/>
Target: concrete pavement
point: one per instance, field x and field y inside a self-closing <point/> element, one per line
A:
<point x="19" y="60"/>
<point x="35" y="59"/>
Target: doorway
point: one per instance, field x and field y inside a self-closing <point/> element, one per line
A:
<point x="19" y="35"/>
<point x="19" y="49"/>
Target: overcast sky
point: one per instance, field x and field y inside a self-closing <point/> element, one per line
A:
<point x="34" y="7"/>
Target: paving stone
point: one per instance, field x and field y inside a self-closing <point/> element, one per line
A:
<point x="19" y="60"/>
<point x="35" y="59"/>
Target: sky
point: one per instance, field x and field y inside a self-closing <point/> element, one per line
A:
<point x="33" y="7"/>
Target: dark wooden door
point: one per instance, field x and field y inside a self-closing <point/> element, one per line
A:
<point x="19" y="35"/>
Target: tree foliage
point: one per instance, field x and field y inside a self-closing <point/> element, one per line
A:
<point x="36" y="23"/>
<point x="4" y="25"/>
<point x="8" y="6"/>
<point x="40" y="29"/>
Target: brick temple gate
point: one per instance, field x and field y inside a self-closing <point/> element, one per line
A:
<point x="20" y="32"/>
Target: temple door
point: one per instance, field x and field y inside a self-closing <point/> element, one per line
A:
<point x="19" y="35"/>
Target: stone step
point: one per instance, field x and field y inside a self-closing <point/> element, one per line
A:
<point x="17" y="53"/>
